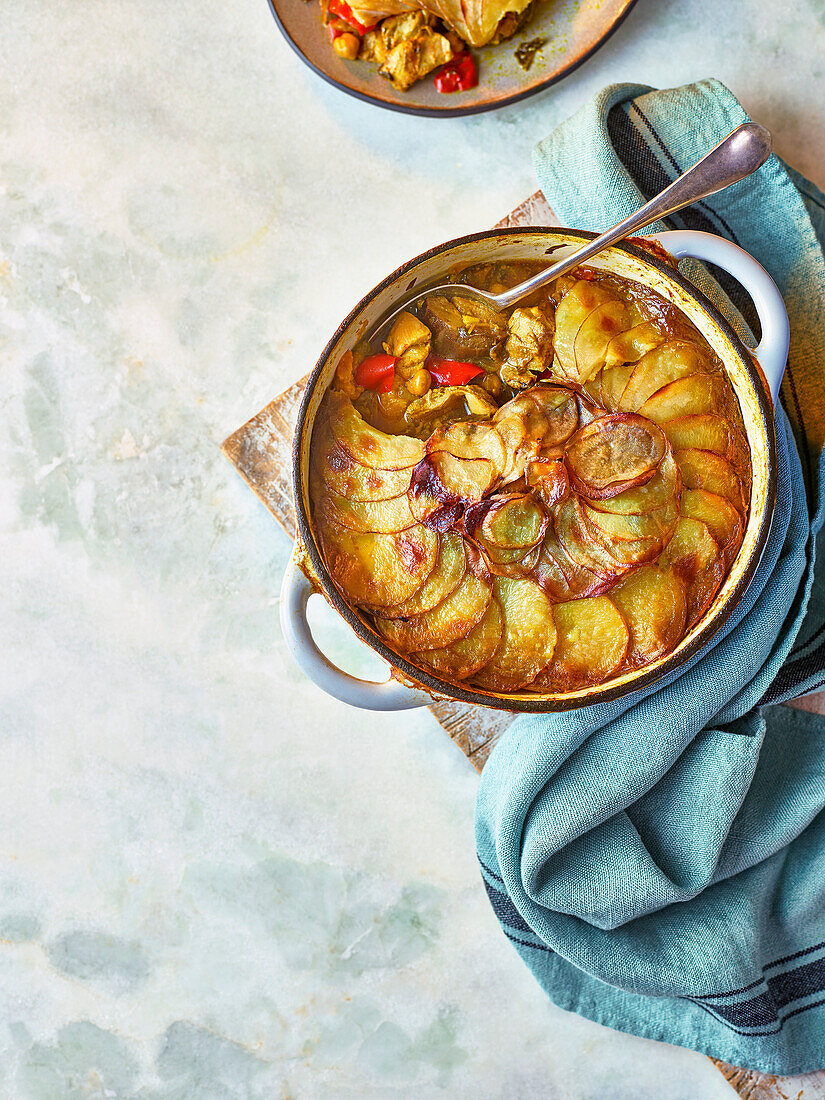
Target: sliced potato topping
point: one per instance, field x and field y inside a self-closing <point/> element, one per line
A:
<point x="547" y="539"/>
<point x="614" y="453"/>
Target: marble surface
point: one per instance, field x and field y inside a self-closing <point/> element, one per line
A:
<point x="214" y="881"/>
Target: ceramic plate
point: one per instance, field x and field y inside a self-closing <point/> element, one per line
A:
<point x="572" y="30"/>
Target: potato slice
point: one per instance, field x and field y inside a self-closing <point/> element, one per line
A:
<point x="466" y="656"/>
<point x="594" y="336"/>
<point x="612" y="385"/>
<point x="591" y="644"/>
<point x="614" y="453"/>
<point x="562" y="578"/>
<point x="723" y="520"/>
<point x="692" y="396"/>
<point x="573" y="310"/>
<point x="507" y="522"/>
<point x="613" y="527"/>
<point x="378" y="570"/>
<point x="654" y="606"/>
<point x="340" y="471"/>
<point x="663" y="487"/>
<point x="511" y="563"/>
<point x="705" y="431"/>
<point x="661" y="366"/>
<point x="448" y="621"/>
<point x="447" y="574"/>
<point x="693" y="555"/>
<point x="470" y="440"/>
<point x="366" y="444"/>
<point x="528" y="638"/>
<point x="378" y="516"/>
<point x="560" y="409"/>
<point x="443" y="484"/>
<point x="706" y="470"/>
<point x="586" y="551"/>
<point x="631" y="345"/>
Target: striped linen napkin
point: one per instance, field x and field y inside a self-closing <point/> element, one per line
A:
<point x="659" y="862"/>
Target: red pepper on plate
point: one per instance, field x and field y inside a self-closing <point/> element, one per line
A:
<point x="458" y="75"/>
<point x="342" y="9"/>
<point x="452" y="372"/>
<point x="376" y="372"/>
<point x="586" y="273"/>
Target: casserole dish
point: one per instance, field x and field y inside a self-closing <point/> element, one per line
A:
<point x="755" y="377"/>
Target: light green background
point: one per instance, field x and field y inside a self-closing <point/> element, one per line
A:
<point x="215" y="881"/>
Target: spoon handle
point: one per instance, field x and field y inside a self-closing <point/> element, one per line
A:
<point x="738" y="155"/>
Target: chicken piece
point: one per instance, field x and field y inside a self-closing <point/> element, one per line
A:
<point x="529" y="346"/>
<point x="409" y="340"/>
<point x="411" y="59"/>
<point x="444" y="405"/>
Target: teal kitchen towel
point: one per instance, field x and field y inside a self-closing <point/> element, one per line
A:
<point x="659" y="861"/>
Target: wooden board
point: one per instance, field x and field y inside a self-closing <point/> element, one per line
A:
<point x="261" y="450"/>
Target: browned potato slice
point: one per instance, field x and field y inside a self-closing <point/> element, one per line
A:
<point x="509" y="522"/>
<point x="378" y="570"/>
<point x="573" y="310"/>
<point x="723" y="520"/>
<point x="445" y="578"/>
<point x="561" y="577"/>
<point x="512" y="563"/>
<point x="470" y="441"/>
<point x="663" y="487"/>
<point x="591" y="644"/>
<point x="379" y="516"/>
<point x="630" y="346"/>
<point x="613" y="381"/>
<point x="706" y="431"/>
<point x="654" y="605"/>
<point x="692" y="396"/>
<point x="560" y="409"/>
<point x="343" y="474"/>
<point x="366" y="444"/>
<point x="613" y="527"/>
<point x="440" y="480"/>
<point x="665" y="364"/>
<point x="528" y="638"/>
<point x="693" y="555"/>
<point x="583" y="548"/>
<point x="466" y="656"/>
<point x="706" y="470"/>
<point x="594" y="336"/>
<point x="614" y="453"/>
<point x="448" y="621"/>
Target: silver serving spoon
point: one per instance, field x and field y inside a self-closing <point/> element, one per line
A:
<point x="738" y="155"/>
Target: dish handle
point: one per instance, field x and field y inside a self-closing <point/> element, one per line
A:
<point x="366" y="694"/>
<point x="772" y="350"/>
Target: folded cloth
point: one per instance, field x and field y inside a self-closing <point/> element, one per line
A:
<point x="659" y="861"/>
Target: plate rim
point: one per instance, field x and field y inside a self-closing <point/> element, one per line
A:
<point x="451" y="112"/>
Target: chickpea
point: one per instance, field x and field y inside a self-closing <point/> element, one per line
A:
<point x="419" y="383"/>
<point x="492" y="384"/>
<point x="347" y="45"/>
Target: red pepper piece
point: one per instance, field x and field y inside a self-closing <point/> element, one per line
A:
<point x="376" y="373"/>
<point x="452" y="372"/>
<point x="342" y="9"/>
<point x="458" y="75"/>
<point x="586" y="273"/>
